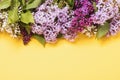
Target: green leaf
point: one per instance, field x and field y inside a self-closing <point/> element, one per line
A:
<point x="15" y="4"/>
<point x="55" y="1"/>
<point x="13" y="15"/>
<point x="94" y="5"/>
<point x="27" y="17"/>
<point x="61" y="4"/>
<point x="5" y="4"/>
<point x="60" y="36"/>
<point x="40" y="39"/>
<point x="30" y="1"/>
<point x="33" y="4"/>
<point x="103" y="30"/>
<point x="27" y="28"/>
<point x="70" y="3"/>
<point x="22" y="2"/>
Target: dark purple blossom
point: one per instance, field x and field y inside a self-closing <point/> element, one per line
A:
<point x="25" y="36"/>
<point x="82" y="14"/>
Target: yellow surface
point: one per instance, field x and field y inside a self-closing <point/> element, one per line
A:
<point x="85" y="59"/>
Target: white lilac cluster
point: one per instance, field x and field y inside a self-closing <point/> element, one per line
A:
<point x="50" y="21"/>
<point x="106" y="10"/>
<point x="12" y="29"/>
<point x="90" y="31"/>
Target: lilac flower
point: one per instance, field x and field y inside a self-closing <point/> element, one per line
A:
<point x="118" y="3"/>
<point x="25" y="36"/>
<point x="106" y="11"/>
<point x="12" y="29"/>
<point x="90" y="31"/>
<point x="115" y="25"/>
<point x="51" y="21"/>
<point x="82" y="14"/>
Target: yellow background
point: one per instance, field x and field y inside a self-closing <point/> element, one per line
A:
<point x="85" y="59"/>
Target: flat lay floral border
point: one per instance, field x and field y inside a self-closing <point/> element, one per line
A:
<point x="48" y="20"/>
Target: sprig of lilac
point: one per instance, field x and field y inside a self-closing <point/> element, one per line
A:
<point x="114" y="25"/>
<point x="106" y="11"/>
<point x="12" y="29"/>
<point x="83" y="10"/>
<point x="50" y="21"/>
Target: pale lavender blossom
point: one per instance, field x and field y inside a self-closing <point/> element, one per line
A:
<point x="106" y="10"/>
<point x="118" y="2"/>
<point x="115" y="25"/>
<point x="50" y="21"/>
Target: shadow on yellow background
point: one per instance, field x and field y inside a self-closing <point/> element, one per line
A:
<point x="85" y="59"/>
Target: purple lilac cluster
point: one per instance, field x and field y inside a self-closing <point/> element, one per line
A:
<point x="83" y="10"/>
<point x="50" y="21"/>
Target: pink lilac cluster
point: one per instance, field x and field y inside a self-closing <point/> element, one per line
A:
<point x="115" y="25"/>
<point x="106" y="11"/>
<point x="83" y="10"/>
<point x="50" y="21"/>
